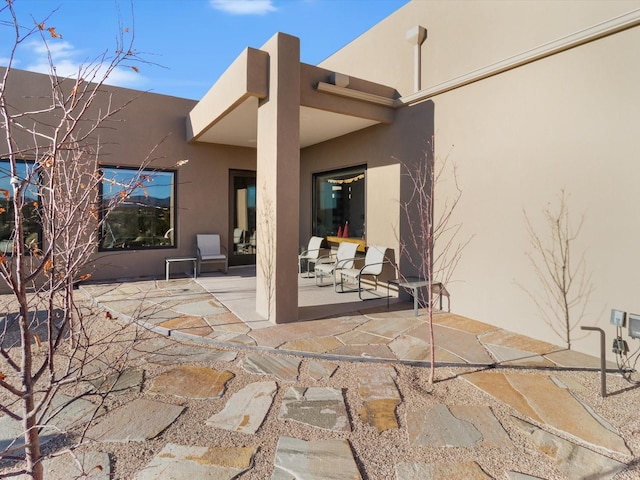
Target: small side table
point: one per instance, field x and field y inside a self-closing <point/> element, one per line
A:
<point x="415" y="283"/>
<point x="169" y="261"/>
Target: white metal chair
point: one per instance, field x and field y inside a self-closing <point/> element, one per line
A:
<point x="328" y="265"/>
<point x="238" y="240"/>
<point x="211" y="251"/>
<point x="311" y="254"/>
<point x="374" y="262"/>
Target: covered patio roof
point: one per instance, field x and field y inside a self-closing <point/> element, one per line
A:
<point x="331" y="104"/>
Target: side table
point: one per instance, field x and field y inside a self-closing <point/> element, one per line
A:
<point x="169" y="261"/>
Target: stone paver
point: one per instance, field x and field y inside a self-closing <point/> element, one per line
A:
<point x="574" y="461"/>
<point x="315" y="345"/>
<point x="246" y="409"/>
<point x="384" y="328"/>
<point x="455" y="426"/>
<point x="319" y="370"/>
<point x="178" y="462"/>
<point x="573" y="359"/>
<point x="64" y="413"/>
<point x="513" y="356"/>
<point x="440" y="471"/>
<point x="284" y="368"/>
<point x="87" y="466"/>
<point x="314" y="460"/>
<point x="380" y="396"/>
<point x="521" y="476"/>
<point x="538" y="397"/>
<point x="276" y="336"/>
<point x="365" y="351"/>
<point x="520" y="342"/>
<point x="316" y="406"/>
<point x="359" y="337"/>
<point x="227" y="322"/>
<point x="136" y="421"/>
<point x="127" y="381"/>
<point x="189" y="312"/>
<point x="188" y="381"/>
<point x="188" y="324"/>
<point x="201" y="308"/>
<point x="463" y="324"/>
<point x="465" y="346"/>
<point x="178" y="353"/>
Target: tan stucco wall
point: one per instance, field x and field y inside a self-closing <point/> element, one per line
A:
<point x="153" y="126"/>
<point x="381" y="148"/>
<point x="564" y="122"/>
<point x="202" y="203"/>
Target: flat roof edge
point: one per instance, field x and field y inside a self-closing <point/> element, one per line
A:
<point x="245" y="77"/>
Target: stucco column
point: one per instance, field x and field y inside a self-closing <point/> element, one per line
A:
<point x="278" y="179"/>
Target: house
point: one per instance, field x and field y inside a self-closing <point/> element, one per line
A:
<point x="527" y="99"/>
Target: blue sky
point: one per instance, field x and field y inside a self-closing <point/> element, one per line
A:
<point x="188" y="42"/>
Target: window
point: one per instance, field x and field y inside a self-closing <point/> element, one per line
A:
<point x="243" y="222"/>
<point x="339" y="203"/>
<point x="146" y="217"/>
<point x="31" y="224"/>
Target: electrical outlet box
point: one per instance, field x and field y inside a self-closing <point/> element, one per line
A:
<point x="618" y="318"/>
<point x="620" y="346"/>
<point x="634" y="325"/>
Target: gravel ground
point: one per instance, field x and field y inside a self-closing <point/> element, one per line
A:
<point x="376" y="453"/>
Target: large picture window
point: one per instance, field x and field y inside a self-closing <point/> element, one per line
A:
<point x="31" y="222"/>
<point x="339" y="203"/>
<point x="146" y="217"/>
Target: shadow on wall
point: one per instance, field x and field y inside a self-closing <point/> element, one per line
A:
<point x="417" y="153"/>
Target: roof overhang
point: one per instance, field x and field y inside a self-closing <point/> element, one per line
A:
<point x="331" y="105"/>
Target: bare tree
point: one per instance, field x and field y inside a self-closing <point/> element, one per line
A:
<point x="266" y="257"/>
<point x="52" y="153"/>
<point x="565" y="282"/>
<point x="429" y="242"/>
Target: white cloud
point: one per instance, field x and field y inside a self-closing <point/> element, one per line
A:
<point x="244" y="7"/>
<point x="66" y="59"/>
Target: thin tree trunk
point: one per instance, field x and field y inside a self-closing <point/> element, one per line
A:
<point x="30" y="429"/>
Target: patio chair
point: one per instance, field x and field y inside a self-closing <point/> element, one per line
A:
<point x="239" y="240"/>
<point x="374" y="261"/>
<point x="328" y="265"/>
<point x="311" y="254"/>
<point x="210" y="251"/>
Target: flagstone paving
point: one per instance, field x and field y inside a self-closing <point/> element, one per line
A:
<point x="127" y="381"/>
<point x="192" y="382"/>
<point x="88" y="466"/>
<point x="246" y="409"/>
<point x="314" y="460"/>
<point x="137" y="421"/>
<point x="284" y="368"/>
<point x="575" y="461"/>
<point x="538" y="396"/>
<point x="178" y="462"/>
<point x="376" y="338"/>
<point x="319" y="370"/>
<point x="380" y="396"/>
<point x="316" y="406"/>
<point x="455" y="426"/>
<point x="64" y="413"/>
<point x="172" y="353"/>
<point x="440" y="471"/>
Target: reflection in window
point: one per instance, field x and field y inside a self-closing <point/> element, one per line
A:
<point x="146" y="218"/>
<point x="244" y="214"/>
<point x="31" y="224"/>
<point x="338" y="203"/>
